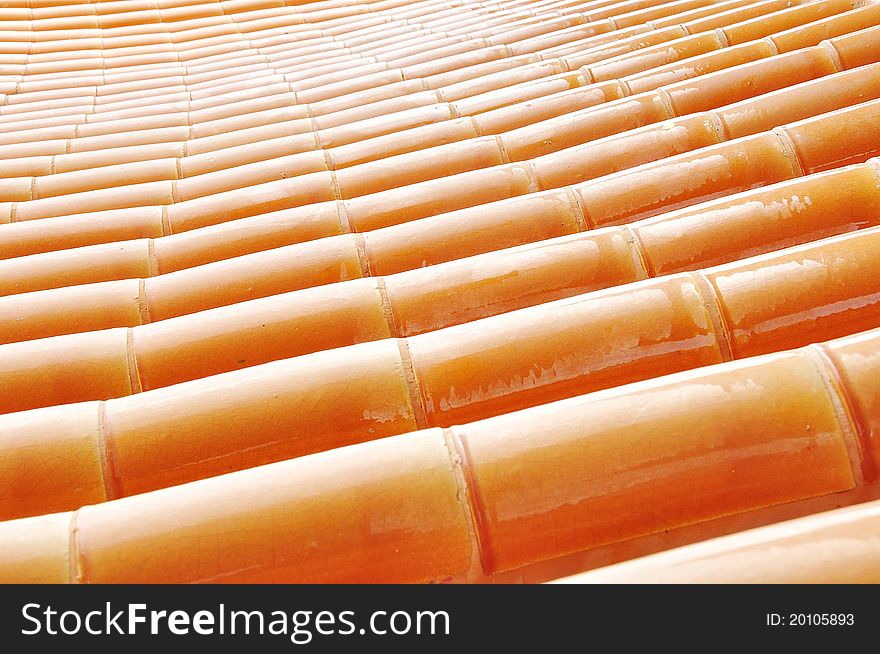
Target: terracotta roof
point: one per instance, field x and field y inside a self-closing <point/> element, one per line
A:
<point x="438" y="290"/>
<point x="834" y="547"/>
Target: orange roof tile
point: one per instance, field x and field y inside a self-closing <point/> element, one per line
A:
<point x="430" y="290"/>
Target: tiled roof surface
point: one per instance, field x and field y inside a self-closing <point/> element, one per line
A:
<point x="439" y="290"/>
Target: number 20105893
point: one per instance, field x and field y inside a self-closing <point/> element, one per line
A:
<point x="810" y="620"/>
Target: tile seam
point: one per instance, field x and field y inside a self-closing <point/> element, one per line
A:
<point x="134" y="376"/>
<point x="587" y="73"/>
<point x="843" y="407"/>
<point x="152" y="260"/>
<point x="474" y="501"/>
<point x="334" y="185"/>
<point x="328" y="159"/>
<point x="666" y="101"/>
<point x="721" y="34"/>
<point x="718" y="125"/>
<point x="790" y="151"/>
<point x="637" y="252"/>
<point x="577" y="209"/>
<point x="833" y="54"/>
<point x="165" y="222"/>
<point x="385" y="305"/>
<point x="142" y="303"/>
<point x="111" y="488"/>
<point x="715" y="310"/>
<point x="461" y="470"/>
<point x="413" y="387"/>
<point x="74" y="569"/>
<point x="344" y="220"/>
<point x="581" y="215"/>
<point x="502" y="151"/>
<point x="534" y="183"/>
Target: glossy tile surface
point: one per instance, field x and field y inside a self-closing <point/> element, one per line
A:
<point x="438" y="290"/>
